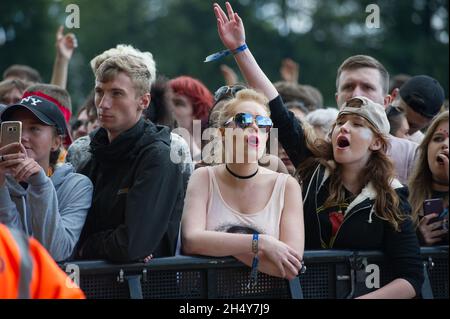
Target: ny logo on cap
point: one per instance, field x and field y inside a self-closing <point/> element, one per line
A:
<point x="34" y="101"/>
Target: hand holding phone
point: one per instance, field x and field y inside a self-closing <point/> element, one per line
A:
<point x="10" y="132"/>
<point x="434" y="230"/>
<point x="436" y="206"/>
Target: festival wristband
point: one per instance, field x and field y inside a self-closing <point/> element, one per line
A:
<point x="221" y="54"/>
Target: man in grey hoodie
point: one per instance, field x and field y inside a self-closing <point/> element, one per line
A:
<point x="47" y="201"/>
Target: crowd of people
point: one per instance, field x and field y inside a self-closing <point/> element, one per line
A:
<point x="153" y="167"/>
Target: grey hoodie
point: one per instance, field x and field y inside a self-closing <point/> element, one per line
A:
<point x="54" y="208"/>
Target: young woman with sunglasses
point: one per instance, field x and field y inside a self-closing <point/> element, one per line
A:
<point x="351" y="199"/>
<point x="221" y="97"/>
<point x="242" y="193"/>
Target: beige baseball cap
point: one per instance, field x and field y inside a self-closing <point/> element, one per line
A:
<point x="373" y="112"/>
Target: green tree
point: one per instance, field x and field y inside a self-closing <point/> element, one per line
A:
<point x="319" y="34"/>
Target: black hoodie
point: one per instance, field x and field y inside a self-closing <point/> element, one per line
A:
<point x="138" y="196"/>
<point x="361" y="229"/>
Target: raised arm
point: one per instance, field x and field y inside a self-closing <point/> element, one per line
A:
<point x="65" y="46"/>
<point x="231" y="31"/>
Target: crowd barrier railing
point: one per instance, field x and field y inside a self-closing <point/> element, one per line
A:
<point x="330" y="274"/>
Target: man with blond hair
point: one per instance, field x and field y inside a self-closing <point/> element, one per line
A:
<point x="138" y="193"/>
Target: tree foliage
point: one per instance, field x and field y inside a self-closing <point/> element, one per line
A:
<point x="319" y="34"/>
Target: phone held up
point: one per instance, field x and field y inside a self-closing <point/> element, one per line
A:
<point x="10" y="132"/>
<point x="435" y="205"/>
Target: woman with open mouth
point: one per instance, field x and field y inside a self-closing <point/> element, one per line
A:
<point x="351" y="199"/>
<point x="240" y="192"/>
<point x="430" y="181"/>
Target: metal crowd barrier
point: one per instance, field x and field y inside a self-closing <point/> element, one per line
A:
<point x="330" y="274"/>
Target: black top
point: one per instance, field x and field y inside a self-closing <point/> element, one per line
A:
<point x="437" y="194"/>
<point x="331" y="218"/>
<point x="138" y="196"/>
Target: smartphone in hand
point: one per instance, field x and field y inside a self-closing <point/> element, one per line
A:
<point x="10" y="132"/>
<point x="435" y="205"/>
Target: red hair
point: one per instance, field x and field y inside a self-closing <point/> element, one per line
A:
<point x="198" y="94"/>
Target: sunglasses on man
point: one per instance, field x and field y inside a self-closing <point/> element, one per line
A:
<point x="245" y="120"/>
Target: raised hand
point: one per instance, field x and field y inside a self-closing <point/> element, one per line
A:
<point x="290" y="71"/>
<point x="65" y="44"/>
<point x="229" y="75"/>
<point x="230" y="27"/>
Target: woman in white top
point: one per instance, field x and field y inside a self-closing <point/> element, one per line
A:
<point x="224" y="199"/>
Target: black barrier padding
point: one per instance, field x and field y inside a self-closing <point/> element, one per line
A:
<point x="233" y="284"/>
<point x="318" y="281"/>
<point x="439" y="278"/>
<point x="329" y="275"/>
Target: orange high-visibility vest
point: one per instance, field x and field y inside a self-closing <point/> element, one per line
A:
<point x="28" y="271"/>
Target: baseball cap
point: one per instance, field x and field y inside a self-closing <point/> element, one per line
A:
<point x="424" y="95"/>
<point x="46" y="111"/>
<point x="373" y="112"/>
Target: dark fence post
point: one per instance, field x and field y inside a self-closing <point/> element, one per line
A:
<point x="211" y="280"/>
<point x="295" y="288"/>
<point x="134" y="286"/>
<point x="427" y="292"/>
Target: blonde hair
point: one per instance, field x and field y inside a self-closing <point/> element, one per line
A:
<point x="219" y="117"/>
<point x="131" y="66"/>
<point x="123" y="49"/>
<point x="246" y="95"/>
<point x="421" y="180"/>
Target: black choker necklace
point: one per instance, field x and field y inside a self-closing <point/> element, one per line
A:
<point x="239" y="176"/>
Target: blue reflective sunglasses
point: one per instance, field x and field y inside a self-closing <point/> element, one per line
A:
<point x="245" y="120"/>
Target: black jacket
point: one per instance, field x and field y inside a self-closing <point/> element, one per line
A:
<point x="361" y="228"/>
<point x="138" y="196"/>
